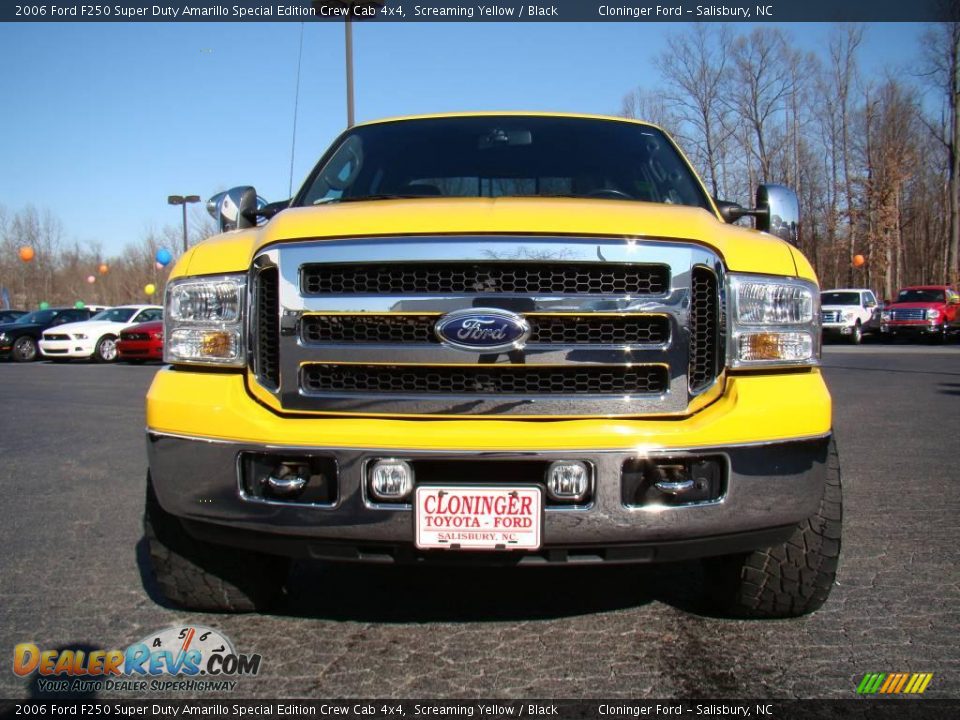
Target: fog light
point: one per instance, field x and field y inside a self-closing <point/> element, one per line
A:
<point x="391" y="480"/>
<point x="568" y="480"/>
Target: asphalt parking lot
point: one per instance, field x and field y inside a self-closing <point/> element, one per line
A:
<point x="72" y="568"/>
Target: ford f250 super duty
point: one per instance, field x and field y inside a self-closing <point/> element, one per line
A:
<point x="490" y="338"/>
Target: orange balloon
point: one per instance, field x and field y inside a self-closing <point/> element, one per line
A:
<point x="104" y="268"/>
<point x="858" y="260"/>
<point x="26" y="253"/>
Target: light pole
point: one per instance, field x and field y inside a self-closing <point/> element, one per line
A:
<point x="183" y="200"/>
<point x="348" y="44"/>
<point x="354" y="10"/>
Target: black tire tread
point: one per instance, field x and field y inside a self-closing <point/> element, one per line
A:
<point x="196" y="575"/>
<point x="791" y="579"/>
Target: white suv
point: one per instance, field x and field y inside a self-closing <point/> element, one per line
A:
<point x="849" y="312"/>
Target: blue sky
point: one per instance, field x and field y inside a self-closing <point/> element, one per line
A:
<point x="100" y="122"/>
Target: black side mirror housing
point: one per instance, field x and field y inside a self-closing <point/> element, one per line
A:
<point x="236" y="209"/>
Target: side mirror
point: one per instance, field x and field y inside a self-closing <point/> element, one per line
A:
<point x="871" y="304"/>
<point x="778" y="212"/>
<point x="236" y="208"/>
<point x="730" y="211"/>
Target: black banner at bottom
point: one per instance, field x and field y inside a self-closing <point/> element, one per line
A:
<point x="872" y="709"/>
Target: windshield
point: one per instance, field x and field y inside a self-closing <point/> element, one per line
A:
<point x="839" y="298"/>
<point x="920" y="295"/>
<point x="39" y="317"/>
<point x="503" y="156"/>
<point x="115" y="314"/>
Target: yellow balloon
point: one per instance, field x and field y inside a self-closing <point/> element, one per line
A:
<point x="150" y="289"/>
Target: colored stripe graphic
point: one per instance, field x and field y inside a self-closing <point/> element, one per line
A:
<point x="894" y="683"/>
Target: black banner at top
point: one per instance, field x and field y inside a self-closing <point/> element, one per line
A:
<point x="479" y="11"/>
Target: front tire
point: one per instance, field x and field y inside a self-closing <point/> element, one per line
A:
<point x="197" y="575"/>
<point x="106" y="350"/>
<point x="791" y="579"/>
<point x="24" y="349"/>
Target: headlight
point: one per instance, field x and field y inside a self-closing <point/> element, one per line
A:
<point x="886" y="315"/>
<point x="203" y="321"/>
<point x="933" y="314"/>
<point x="849" y="315"/>
<point x="79" y="336"/>
<point x="157" y="336"/>
<point x="4" y="338"/>
<point x="773" y="322"/>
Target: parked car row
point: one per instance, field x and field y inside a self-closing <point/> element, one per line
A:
<point x="929" y="311"/>
<point x="125" y="332"/>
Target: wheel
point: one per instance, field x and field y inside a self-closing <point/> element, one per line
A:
<point x="856" y="336"/>
<point x="106" y="350"/>
<point x="24" y="349"/>
<point x="791" y="579"/>
<point x="197" y="575"/>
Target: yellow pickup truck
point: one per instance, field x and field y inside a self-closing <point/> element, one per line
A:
<point x="495" y="338"/>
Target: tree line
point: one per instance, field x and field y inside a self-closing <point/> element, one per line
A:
<point x="60" y="269"/>
<point x="874" y="160"/>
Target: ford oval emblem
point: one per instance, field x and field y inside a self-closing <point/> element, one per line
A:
<point x="483" y="330"/>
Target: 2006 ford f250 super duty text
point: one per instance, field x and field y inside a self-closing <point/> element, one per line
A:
<point x="495" y="338"/>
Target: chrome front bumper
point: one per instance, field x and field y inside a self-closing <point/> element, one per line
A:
<point x="769" y="487"/>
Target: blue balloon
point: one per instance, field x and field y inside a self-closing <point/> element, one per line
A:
<point x="164" y="256"/>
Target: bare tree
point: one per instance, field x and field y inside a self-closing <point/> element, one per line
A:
<point x="761" y="85"/>
<point x="942" y="68"/>
<point x="695" y="64"/>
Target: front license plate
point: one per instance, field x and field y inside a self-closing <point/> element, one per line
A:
<point x="478" y="517"/>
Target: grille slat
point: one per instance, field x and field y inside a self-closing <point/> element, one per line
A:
<point x="268" y="327"/>
<point x="704" y="335"/>
<point x="483" y="278"/>
<point x="545" y="329"/>
<point x="908" y="314"/>
<point x="505" y="380"/>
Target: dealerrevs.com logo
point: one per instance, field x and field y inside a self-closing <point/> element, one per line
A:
<point x="188" y="658"/>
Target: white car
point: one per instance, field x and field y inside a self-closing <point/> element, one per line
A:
<point x="96" y="337"/>
<point x="849" y="312"/>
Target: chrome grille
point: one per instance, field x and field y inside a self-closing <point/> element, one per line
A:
<point x="469" y="279"/>
<point x="561" y="329"/>
<point x="704" y="329"/>
<point x="479" y="380"/>
<point x="908" y="314"/>
<point x="830" y="316"/>
<point x="617" y="327"/>
<point x="268" y="327"/>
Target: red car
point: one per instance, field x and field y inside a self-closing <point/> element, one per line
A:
<point x="141" y="342"/>
<point x="929" y="310"/>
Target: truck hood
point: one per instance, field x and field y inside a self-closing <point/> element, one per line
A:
<point x="742" y="249"/>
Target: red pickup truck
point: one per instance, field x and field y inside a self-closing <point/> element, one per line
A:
<point x="930" y="310"/>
